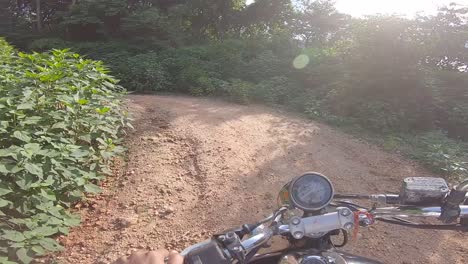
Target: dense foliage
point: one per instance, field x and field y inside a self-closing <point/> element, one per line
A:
<point x="60" y="121"/>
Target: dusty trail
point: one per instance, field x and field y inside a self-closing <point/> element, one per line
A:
<point x="197" y="166"/>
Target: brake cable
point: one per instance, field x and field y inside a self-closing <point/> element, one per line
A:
<point x="398" y="221"/>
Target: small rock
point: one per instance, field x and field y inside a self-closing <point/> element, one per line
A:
<point x="140" y="209"/>
<point x="167" y="210"/>
<point x="125" y="222"/>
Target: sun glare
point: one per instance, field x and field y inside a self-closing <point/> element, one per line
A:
<point x="402" y="7"/>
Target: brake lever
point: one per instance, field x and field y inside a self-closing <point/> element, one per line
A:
<point x="450" y="210"/>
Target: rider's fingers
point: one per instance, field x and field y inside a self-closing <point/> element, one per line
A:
<point x="175" y="258"/>
<point x="137" y="257"/>
<point x="157" y="257"/>
<point x="122" y="260"/>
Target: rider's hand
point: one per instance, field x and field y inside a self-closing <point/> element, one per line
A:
<point x="151" y="257"/>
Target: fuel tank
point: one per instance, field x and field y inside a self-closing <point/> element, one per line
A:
<point x="346" y="258"/>
<point x="336" y="257"/>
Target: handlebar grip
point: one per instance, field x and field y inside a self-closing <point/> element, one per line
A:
<point x="392" y="198"/>
<point x="209" y="252"/>
<point x="451" y="207"/>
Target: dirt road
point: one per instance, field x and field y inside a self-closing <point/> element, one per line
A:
<point x="197" y="166"/>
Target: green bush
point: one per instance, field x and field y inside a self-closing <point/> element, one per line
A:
<point x="143" y="72"/>
<point x="441" y="153"/>
<point x="45" y="44"/>
<point x="450" y="93"/>
<point x="196" y="81"/>
<point x="274" y="90"/>
<point x="238" y="90"/>
<point x="61" y="117"/>
<point x="266" y="65"/>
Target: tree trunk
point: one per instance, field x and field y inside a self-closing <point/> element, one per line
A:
<point x="38" y="16"/>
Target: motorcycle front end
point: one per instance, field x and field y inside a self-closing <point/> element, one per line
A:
<point x="310" y="214"/>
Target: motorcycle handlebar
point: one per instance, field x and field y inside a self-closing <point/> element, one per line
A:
<point x="343" y="218"/>
<point x="298" y="227"/>
<point x="408" y="211"/>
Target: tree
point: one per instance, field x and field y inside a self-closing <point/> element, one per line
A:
<point x="38" y="16"/>
<point x="446" y="34"/>
<point x="318" y="22"/>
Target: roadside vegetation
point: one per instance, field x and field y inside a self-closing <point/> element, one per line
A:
<point x="60" y="128"/>
<point x="401" y="82"/>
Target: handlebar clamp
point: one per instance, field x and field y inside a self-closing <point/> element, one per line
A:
<point x="343" y="218"/>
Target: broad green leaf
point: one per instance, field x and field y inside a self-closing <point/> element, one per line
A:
<point x="25" y="106"/>
<point x="79" y="153"/>
<point x="31" y="120"/>
<point x="4" y="260"/>
<point x="32" y="148"/>
<point x="83" y="101"/>
<point x="102" y="110"/>
<point x="71" y="221"/>
<point x="54" y="221"/>
<point x="48" y="195"/>
<point x="12" y="235"/>
<point x="3" y="169"/>
<point x="60" y="125"/>
<point x="45" y="231"/>
<point x="92" y="188"/>
<point x="24" y="255"/>
<point x="4" y="190"/>
<point x="86" y="138"/>
<point x="18" y="245"/>
<point x="64" y="230"/>
<point x="9" y="168"/>
<point x="25" y="181"/>
<point x="39" y="250"/>
<point x="7" y="152"/>
<point x="3" y="202"/>
<point x="22" y="136"/>
<point x="34" y="169"/>
<point x="50" y="244"/>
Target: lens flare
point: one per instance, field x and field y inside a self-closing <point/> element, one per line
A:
<point x="301" y="61"/>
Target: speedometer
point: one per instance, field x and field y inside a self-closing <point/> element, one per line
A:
<point x="311" y="191"/>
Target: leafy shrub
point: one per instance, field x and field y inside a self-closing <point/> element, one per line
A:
<point x="274" y="90"/>
<point x="238" y="90"/>
<point x="45" y="44"/>
<point x="230" y="58"/>
<point x="450" y="93"/>
<point x="379" y="116"/>
<point x="144" y="72"/>
<point x="265" y="66"/>
<point x="61" y="116"/>
<point x="196" y="81"/>
<point x="148" y="23"/>
<point x="441" y="153"/>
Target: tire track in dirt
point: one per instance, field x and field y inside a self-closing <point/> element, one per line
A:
<point x="196" y="166"/>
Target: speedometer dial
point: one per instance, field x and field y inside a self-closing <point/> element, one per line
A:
<point x="311" y="191"/>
